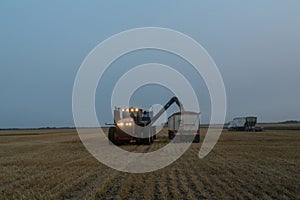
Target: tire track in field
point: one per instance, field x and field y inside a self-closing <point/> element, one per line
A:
<point x="231" y="180"/>
<point x="46" y="173"/>
<point x="201" y="186"/>
<point x="68" y="180"/>
<point x="128" y="191"/>
<point x="157" y="193"/>
<point x="229" y="190"/>
<point x="149" y="183"/>
<point x="246" y="180"/>
<point x="194" y="182"/>
<point x="130" y="186"/>
<point x="95" y="181"/>
<point x="141" y="186"/>
<point x="189" y="181"/>
<point x="162" y="187"/>
<point x="181" y="184"/>
<point x="138" y="187"/>
<point x="207" y="182"/>
<point x="236" y="180"/>
<point x="225" y="183"/>
<point x="168" y="185"/>
<point x="114" y="185"/>
<point x="87" y="187"/>
<point x="152" y="178"/>
<point x="214" y="181"/>
<point x="204" y="175"/>
<point x="111" y="186"/>
<point x="182" y="188"/>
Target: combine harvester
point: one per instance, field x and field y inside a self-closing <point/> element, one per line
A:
<point x="244" y="124"/>
<point x="139" y="123"/>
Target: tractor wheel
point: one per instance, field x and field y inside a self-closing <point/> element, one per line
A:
<point x="197" y="139"/>
<point x="171" y="135"/>
<point x="111" y="135"/>
<point x="139" y="141"/>
<point x="147" y="141"/>
<point x="153" y="131"/>
<point x="151" y="139"/>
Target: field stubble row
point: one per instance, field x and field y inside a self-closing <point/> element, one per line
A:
<point x="242" y="165"/>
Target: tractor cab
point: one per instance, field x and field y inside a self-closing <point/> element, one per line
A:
<point x="139" y="116"/>
<point x="132" y="113"/>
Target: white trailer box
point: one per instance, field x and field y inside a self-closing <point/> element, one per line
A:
<point x="184" y="124"/>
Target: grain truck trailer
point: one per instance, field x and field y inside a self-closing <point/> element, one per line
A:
<point x="185" y="126"/>
<point x="243" y="124"/>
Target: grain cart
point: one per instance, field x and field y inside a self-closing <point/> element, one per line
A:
<point x="184" y="125"/>
<point x="138" y="122"/>
<point x="243" y="124"/>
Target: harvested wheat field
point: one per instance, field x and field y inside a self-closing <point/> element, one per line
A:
<point x="53" y="164"/>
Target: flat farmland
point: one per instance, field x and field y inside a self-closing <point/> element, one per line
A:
<point x="54" y="164"/>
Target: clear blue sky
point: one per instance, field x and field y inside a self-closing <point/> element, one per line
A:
<point x="256" y="45"/>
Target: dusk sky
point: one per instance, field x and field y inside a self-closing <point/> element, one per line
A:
<point x="255" y="44"/>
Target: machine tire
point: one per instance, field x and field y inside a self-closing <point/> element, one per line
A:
<point x="171" y="135"/>
<point x="197" y="139"/>
<point x="147" y="141"/>
<point x="154" y="133"/>
<point x="139" y="141"/>
<point x="111" y="135"/>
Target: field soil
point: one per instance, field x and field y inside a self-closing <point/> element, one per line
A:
<point x="54" y="164"/>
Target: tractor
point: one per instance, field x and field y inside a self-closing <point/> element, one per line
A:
<point x="136" y="124"/>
